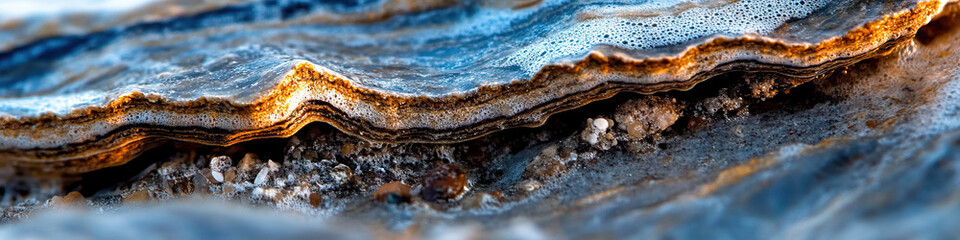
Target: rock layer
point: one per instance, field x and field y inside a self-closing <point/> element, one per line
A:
<point x="400" y="80"/>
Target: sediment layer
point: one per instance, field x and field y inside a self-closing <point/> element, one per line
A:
<point x="95" y="137"/>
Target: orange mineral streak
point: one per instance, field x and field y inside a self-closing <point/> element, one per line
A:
<point x="734" y="174"/>
<point x="309" y="93"/>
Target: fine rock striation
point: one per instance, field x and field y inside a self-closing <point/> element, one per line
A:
<point x="386" y="71"/>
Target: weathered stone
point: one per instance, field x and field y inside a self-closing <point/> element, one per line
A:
<point x="392" y="192"/>
<point x="445" y="182"/>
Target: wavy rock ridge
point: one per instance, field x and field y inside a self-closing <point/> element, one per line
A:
<point x="261" y="91"/>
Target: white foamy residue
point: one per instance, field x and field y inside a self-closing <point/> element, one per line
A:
<point x="743" y="17"/>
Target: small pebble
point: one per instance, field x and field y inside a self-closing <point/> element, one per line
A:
<point x="56" y="200"/>
<point x="201" y="182"/>
<point x="208" y="175"/>
<point x="601" y="123"/>
<point x="229" y="175"/>
<point x="262" y="177"/>
<point x="530" y="185"/>
<point x="445" y="182"/>
<point x="136" y="196"/>
<point x="596" y="133"/>
<point x="71" y="199"/>
<point x="315" y="200"/>
<point x="249" y="162"/>
<point x="644" y="117"/>
<point x="218" y="165"/>
<point x="392" y="192"/>
<point x="273" y="165"/>
<point x="341" y="174"/>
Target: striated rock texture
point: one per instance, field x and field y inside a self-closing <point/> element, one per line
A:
<point x="868" y="150"/>
<point x="399" y="72"/>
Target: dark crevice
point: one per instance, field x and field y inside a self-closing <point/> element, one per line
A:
<point x="112" y="177"/>
<point x="947" y="21"/>
<point x="470" y="154"/>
